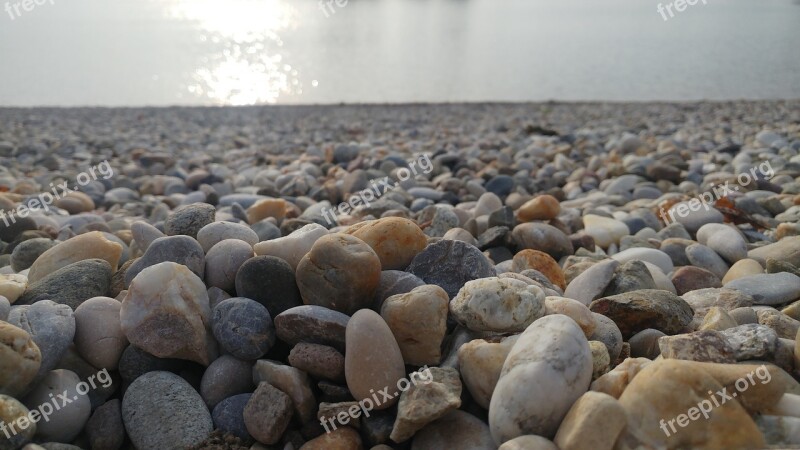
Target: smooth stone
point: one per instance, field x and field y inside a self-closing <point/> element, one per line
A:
<point x="456" y="430"/>
<point x="223" y="262"/>
<point x="500" y="185"/>
<point x="270" y="281"/>
<point x="644" y="344"/>
<point x="373" y="360"/>
<point x="553" y="360"/>
<point x="617" y="379"/>
<point x="573" y="309"/>
<point x="659" y="278"/>
<point x="71" y="285"/>
<point x="98" y="332"/>
<point x="395" y="240"/>
<point x="486" y="204"/>
<point x="450" y="264"/>
<point x="693" y="220"/>
<point x="702" y="256"/>
<point x="226" y="376"/>
<point x="498" y="304"/>
<point x="460" y="234"/>
<point x="266" y="231"/>
<point x="702" y="346"/>
<point x="344" y="438"/>
<point x="418" y="321"/>
<point x="702" y="300"/>
<point x="144" y="234"/>
<point x="166" y="313"/>
<point x="105" y="428"/>
<point x="543" y="237"/>
<point x="189" y="219"/>
<point x="314" y="324"/>
<point x="528" y="442"/>
<point x="769" y="288"/>
<point x="9" y="231"/>
<point x="717" y="319"/>
<point x="20" y="360"/>
<point x="724" y="240"/>
<point x="92" y="245"/>
<point x="319" y="361"/>
<point x="161" y="410"/>
<point x="177" y="249"/>
<point x="243" y="328"/>
<point x="341" y="272"/>
<point x="66" y="422"/>
<point x="690" y="278"/>
<point x="543" y="207"/>
<point x="780" y="431"/>
<point x="786" y="250"/>
<point x="50" y="325"/>
<point x="542" y="262"/>
<point x="267" y="414"/>
<point x="228" y="416"/>
<point x="594" y="421"/>
<point x="744" y="315"/>
<point x="12" y="286"/>
<point x="268" y="207"/>
<point x="604" y="230"/>
<point x="28" y="251"/>
<point x="5" y="308"/>
<point x="426" y="401"/>
<point x="651" y="397"/>
<point x="394" y="282"/>
<point x="653" y="256"/>
<point x="292" y="248"/>
<point x="607" y="332"/>
<point x="647" y="308"/>
<point x="480" y="363"/>
<point x="630" y="276"/>
<point x="216" y="232"/>
<point x="11" y="411"/>
<point x="444" y="219"/>
<point x="592" y="282"/>
<point x="292" y="382"/>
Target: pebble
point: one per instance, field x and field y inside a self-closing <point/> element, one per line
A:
<point x="166" y="313"/>
<point x="500" y="305"/>
<point x="162" y="410"/>
<point x="12" y="286"/>
<point x="50" y="325"/>
<point x="573" y="309"/>
<point x="243" y="328"/>
<point x="594" y="421"/>
<point x="189" y="219"/>
<point x="226" y="376"/>
<point x="456" y="429"/>
<point x="144" y="234"/>
<point x="267" y="413"/>
<point x="552" y="359"/>
<point x="20" y="359"/>
<point x="769" y="288"/>
<point x="592" y="282"/>
<point x="418" y="320"/>
<point x="426" y="401"/>
<point x="689" y="278"/>
<point x="786" y="250"/>
<point x="341" y="272"/>
<point x="703" y="257"/>
<point x="541" y="262"/>
<point x="216" y="232"/>
<point x="292" y="382"/>
<point x="653" y="256"/>
<point x="450" y="264"/>
<point x="724" y="240"/>
<point x="543" y="207"/>
<point x="292" y="248"/>
<point x="223" y="262"/>
<point x="395" y="240"/>
<point x="11" y="410"/>
<point x="178" y="249"/>
<point x="82" y="247"/>
<point x="373" y="360"/>
<point x="228" y="416"/>
<point x="270" y="281"/>
<point x="28" y="251"/>
<point x="647" y="308"/>
<point x="542" y="237"/>
<point x="319" y="361"/>
<point x="94" y="280"/>
<point x="603" y="230"/>
<point x="480" y="363"/>
<point x="67" y="421"/>
<point x="314" y="324"/>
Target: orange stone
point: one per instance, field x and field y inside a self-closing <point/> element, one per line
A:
<point x="543" y="207"/>
<point x="541" y="261"/>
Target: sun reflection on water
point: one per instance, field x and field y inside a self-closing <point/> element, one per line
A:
<point x="245" y="62"/>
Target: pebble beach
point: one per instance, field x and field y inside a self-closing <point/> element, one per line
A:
<point x="531" y="276"/>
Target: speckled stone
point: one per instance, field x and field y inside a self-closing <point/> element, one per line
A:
<point x="71" y="285"/>
<point x="223" y="262"/>
<point x="189" y="219"/>
<point x="66" y="422"/>
<point x="395" y="240"/>
<point x="418" y="321"/>
<point x="178" y="249"/>
<point x="270" y="281"/>
<point x="243" y="328"/>
<point x="50" y="325"/>
<point x="228" y="415"/>
<point x="498" y="304"/>
<point x="450" y="264"/>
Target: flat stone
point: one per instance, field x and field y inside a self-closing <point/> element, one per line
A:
<point x="418" y="321"/>
<point x="543" y="207"/>
<point x="166" y="313"/>
<point x="554" y="352"/>
<point x="425" y="401"/>
<point x="82" y="247"/>
<point x="638" y="310"/>
<point x="162" y="410"/>
<point x="178" y="249"/>
<point x="268" y="207"/>
<point x="752" y="341"/>
<point x="314" y="324"/>
<point x="71" y="285"/>
<point x="592" y="282"/>
<point x="694" y="219"/>
<point x="243" y="328"/>
<point x="543" y="237"/>
<point x="498" y="304"/>
<point x="769" y="288"/>
<point x="293" y="382"/>
<point x="373" y="360"/>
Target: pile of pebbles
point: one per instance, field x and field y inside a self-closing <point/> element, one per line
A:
<point x="530" y="273"/>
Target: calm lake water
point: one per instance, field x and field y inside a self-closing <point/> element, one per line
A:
<point x="238" y="52"/>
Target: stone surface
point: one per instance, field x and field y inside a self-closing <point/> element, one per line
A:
<point x="105" y="428"/>
<point x="418" y="321"/>
<point x="189" y="219"/>
<point x="786" y="250"/>
<point x="554" y="352"/>
<point x="161" y="410"/>
<point x="702" y="346"/>
<point x="12" y="286"/>
<point x="575" y="310"/>
<point x="651" y="255"/>
<point x="592" y="282"/>
<point x="166" y="313"/>
<point x="243" y="328"/>
<point x="426" y="400"/>
<point x="292" y="248"/>
<point x="543" y="237"/>
<point x="178" y="249"/>
<point x="20" y="360"/>
<point x="457" y="429"/>
<point x="270" y="281"/>
<point x="66" y="422"/>
<point x="82" y="247"/>
<point x="607" y="332"/>
<point x="226" y="376"/>
<point x="373" y="360"/>
<point x="228" y="416"/>
<point x="219" y="231"/>
<point x="742" y="268"/>
<point x="223" y="261"/>
<point x="498" y="304"/>
<point x="594" y="421"/>
<point x="542" y="262"/>
<point x="98" y="332"/>
<point x="604" y="230"/>
<point x="450" y="264"/>
<point x="50" y="325"/>
<point x="688" y="278"/>
<point x="314" y="324"/>
<point x="648" y="308"/>
<point x="769" y="288"/>
<point x="395" y="240"/>
<point x="480" y="363"/>
<point x="319" y="361"/>
<point x="601" y="360"/>
<point x="11" y="411"/>
<point x="28" y="251"/>
<point x="543" y="207"/>
<point x="341" y="272"/>
<point x="71" y="285"/>
<point x="344" y="438"/>
<point x="291" y="381"/>
<point x="267" y="414"/>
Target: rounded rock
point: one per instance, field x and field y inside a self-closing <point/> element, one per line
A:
<point x="395" y="240"/>
<point x="66" y="422"/>
<point x="503" y="305"/>
<point x="243" y="327"/>
<point x="270" y="281"/>
<point x="224" y="260"/>
<point x="219" y="231"/>
<point x="189" y="219"/>
<point x="450" y="264"/>
<point x="98" y="333"/>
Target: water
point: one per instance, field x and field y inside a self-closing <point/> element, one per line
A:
<point x="239" y="52"/>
